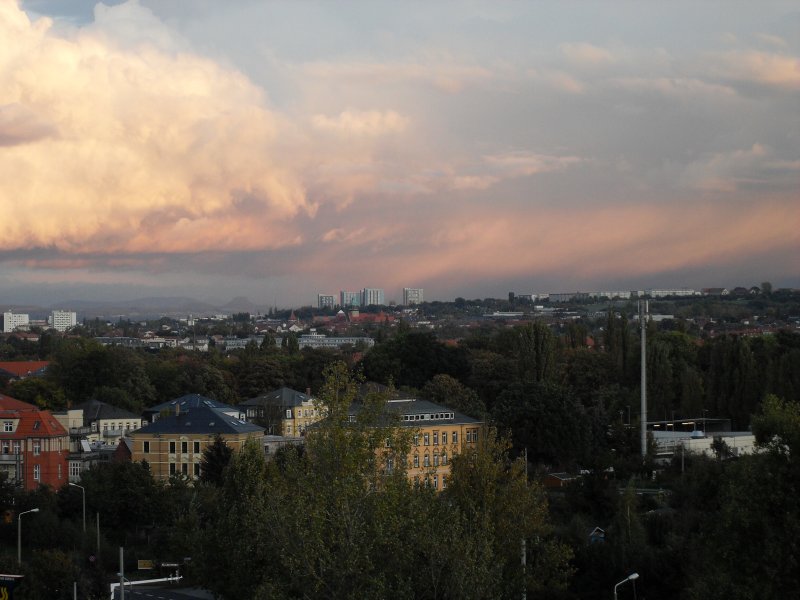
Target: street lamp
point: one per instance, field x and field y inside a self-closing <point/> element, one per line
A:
<point x="83" y="491"/>
<point x="630" y="577"/>
<point x="19" y="533"/>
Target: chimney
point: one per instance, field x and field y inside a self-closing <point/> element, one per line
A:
<point x="177" y="409"/>
<point x="308" y="392"/>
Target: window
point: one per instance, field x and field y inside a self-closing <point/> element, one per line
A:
<point x="184" y="468"/>
<point x="444" y="438"/>
<point x="427" y="439"/>
<point x="444" y="459"/>
<point x="416" y="439"/>
<point x="197" y="447"/>
<point x="416" y="461"/>
<point x="436" y="482"/>
<point x="8" y="426"/>
<point x="74" y="470"/>
<point x="37" y="447"/>
<point x="172" y="468"/>
<point x="426" y="461"/>
<point x="435" y="438"/>
<point x="435" y="460"/>
<point x="16" y="446"/>
<point x="197" y="469"/>
<point x="6" y="446"/>
<point x="146" y="447"/>
<point x="389" y="464"/>
<point x="59" y="470"/>
<point x="37" y="472"/>
<point x="288" y="430"/>
<point x="444" y="481"/>
<point x="184" y="447"/>
<point x="172" y="447"/>
<point x="455" y="437"/>
<point x="289" y="413"/>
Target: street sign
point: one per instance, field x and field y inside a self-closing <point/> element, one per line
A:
<point x="7" y="585"/>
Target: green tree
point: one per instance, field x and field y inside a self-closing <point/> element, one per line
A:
<point x="216" y="458"/>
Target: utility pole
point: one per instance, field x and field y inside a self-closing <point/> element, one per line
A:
<point x="121" y="573"/>
<point x="643" y="313"/>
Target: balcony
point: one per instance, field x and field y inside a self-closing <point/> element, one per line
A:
<point x="10" y="458"/>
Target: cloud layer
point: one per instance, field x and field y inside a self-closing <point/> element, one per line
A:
<point x="143" y="140"/>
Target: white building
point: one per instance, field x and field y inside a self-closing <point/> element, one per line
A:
<point x="325" y="301"/>
<point x="663" y="293"/>
<point x="317" y="340"/>
<point x="372" y="296"/>
<point x="13" y="321"/>
<point x="62" y="320"/>
<point x="349" y="299"/>
<point x="413" y="296"/>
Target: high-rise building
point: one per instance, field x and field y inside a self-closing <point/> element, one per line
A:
<point x="349" y="299"/>
<point x="12" y="321"/>
<point x="62" y="320"/>
<point x="413" y="296"/>
<point x="372" y="296"/>
<point x="325" y="301"/>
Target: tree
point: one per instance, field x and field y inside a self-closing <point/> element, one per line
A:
<point x="448" y="391"/>
<point x="216" y="458"/>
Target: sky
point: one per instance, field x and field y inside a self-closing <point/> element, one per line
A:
<point x="276" y="150"/>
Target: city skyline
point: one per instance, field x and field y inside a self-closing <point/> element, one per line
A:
<point x="277" y="150"/>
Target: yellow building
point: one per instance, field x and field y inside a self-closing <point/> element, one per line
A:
<point x="284" y="411"/>
<point x="439" y="433"/>
<point x="174" y="444"/>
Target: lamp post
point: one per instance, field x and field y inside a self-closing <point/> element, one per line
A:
<point x="19" y="533"/>
<point x="630" y="577"/>
<point x="83" y="493"/>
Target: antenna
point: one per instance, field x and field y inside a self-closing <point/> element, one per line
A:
<point x="643" y="315"/>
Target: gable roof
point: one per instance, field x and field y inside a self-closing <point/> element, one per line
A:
<point x="189" y="402"/>
<point x="32" y="421"/>
<point x="24" y="368"/>
<point x="281" y="397"/>
<point x="201" y="419"/>
<point x="94" y="410"/>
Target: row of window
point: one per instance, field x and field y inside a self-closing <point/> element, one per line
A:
<point x="37" y="472"/>
<point x="173" y="447"/>
<point x="426" y="460"/>
<point x="184" y="469"/>
<point x="8" y="448"/>
<point x="433" y="480"/>
<point x="429" y="416"/>
<point x="426" y="438"/>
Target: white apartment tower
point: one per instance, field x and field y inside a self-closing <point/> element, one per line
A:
<point x="12" y="321"/>
<point x="62" y="320"/>
<point x="413" y="296"/>
<point x="325" y="301"/>
<point x="372" y="296"/>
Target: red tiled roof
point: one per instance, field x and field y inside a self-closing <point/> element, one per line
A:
<point x="22" y="368"/>
<point x="32" y="421"/>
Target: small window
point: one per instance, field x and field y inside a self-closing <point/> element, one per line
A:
<point x="8" y="426"/>
<point x="6" y="446"/>
<point x="59" y="470"/>
<point x="416" y="461"/>
<point x="289" y="413"/>
<point x="416" y="439"/>
<point x="16" y="446"/>
<point x="37" y="447"/>
<point x="197" y="447"/>
<point x="444" y="438"/>
<point x="435" y="438"/>
<point x="436" y="482"/>
<point x="184" y="447"/>
<point x="172" y="468"/>
<point x="197" y="469"/>
<point x="435" y="460"/>
<point x="37" y="472"/>
<point x="172" y="447"/>
<point x="455" y="437"/>
<point x="146" y="447"/>
<point x="444" y="459"/>
<point x="426" y="439"/>
<point x="426" y="462"/>
<point x="184" y="468"/>
<point x="444" y="481"/>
